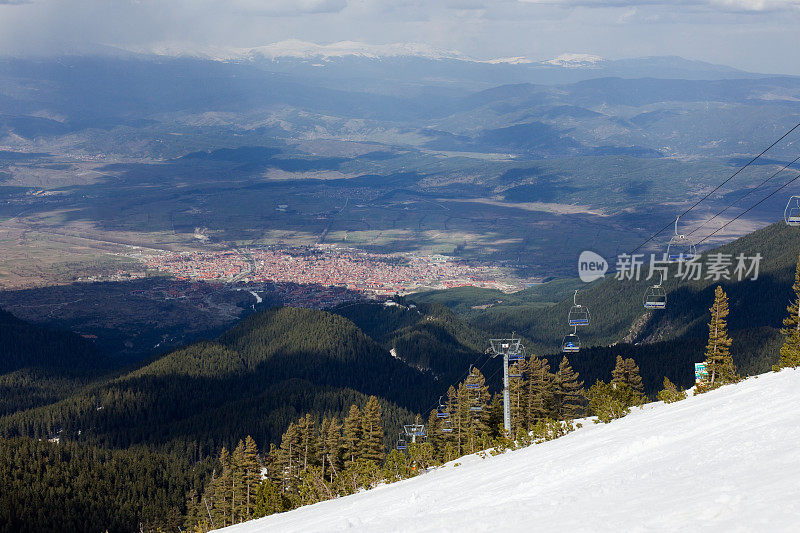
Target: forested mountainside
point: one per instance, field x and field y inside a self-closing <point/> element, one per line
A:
<point x="619" y="318"/>
<point x="254" y="380"/>
<point x="68" y="486"/>
<point x="429" y="337"/>
<point x="39" y="365"/>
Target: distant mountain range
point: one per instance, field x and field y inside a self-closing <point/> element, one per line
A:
<point x="305" y="50"/>
<point x="420" y="59"/>
<point x="565" y="68"/>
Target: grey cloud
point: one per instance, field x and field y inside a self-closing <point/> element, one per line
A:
<point x="732" y="6"/>
<point x="289" y="7"/>
<point x="719" y="31"/>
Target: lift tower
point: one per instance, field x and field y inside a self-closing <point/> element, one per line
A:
<point x="507" y="348"/>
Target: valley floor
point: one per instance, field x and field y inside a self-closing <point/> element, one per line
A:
<point x="724" y="461"/>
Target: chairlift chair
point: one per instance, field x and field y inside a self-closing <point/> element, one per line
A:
<point x="792" y="212"/>
<point x="578" y="314"/>
<point x="681" y="248"/>
<point x="501" y="346"/>
<point x="571" y="343"/>
<point x="515" y="371"/>
<point x="470" y="382"/>
<point x="441" y="411"/>
<point x="401" y="443"/>
<point x="447" y="426"/>
<point x="415" y="430"/>
<point x="655" y="297"/>
<point x="519" y="355"/>
<point x="473" y="385"/>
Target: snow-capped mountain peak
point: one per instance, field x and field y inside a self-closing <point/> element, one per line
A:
<point x="572" y="60"/>
<point x="305" y="50"/>
<point x="298" y="49"/>
<point x="519" y="60"/>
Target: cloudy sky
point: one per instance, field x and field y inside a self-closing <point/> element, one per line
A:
<point x="756" y="35"/>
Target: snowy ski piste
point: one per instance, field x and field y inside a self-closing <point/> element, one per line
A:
<point x="727" y="460"/>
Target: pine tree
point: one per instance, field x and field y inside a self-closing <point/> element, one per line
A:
<point x="352" y="435"/>
<point x="333" y="445"/>
<point x="435" y="436"/>
<point x="790" y="351"/>
<point x="268" y="500"/>
<point x="322" y="445"/>
<point x="458" y="406"/>
<point x="308" y="441"/>
<point x="237" y="484"/>
<point x="495" y="425"/>
<point x="252" y="474"/>
<point x="372" y="431"/>
<point x="480" y="412"/>
<point x="221" y="491"/>
<point x="539" y="391"/>
<point x="517" y="394"/>
<point x="719" y="363"/>
<point x="396" y="466"/>
<point x="195" y="513"/>
<point x="568" y="395"/>
<point x="272" y="462"/>
<point x="421" y="456"/>
<point x="626" y="372"/>
<point x="288" y="460"/>
<point x="670" y="392"/>
<point x="609" y="401"/>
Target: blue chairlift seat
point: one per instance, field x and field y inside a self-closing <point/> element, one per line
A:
<point x="571" y="344"/>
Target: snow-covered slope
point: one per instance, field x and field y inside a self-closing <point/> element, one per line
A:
<point x="724" y="461"/>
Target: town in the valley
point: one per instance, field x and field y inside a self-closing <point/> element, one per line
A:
<point x="327" y="266"/>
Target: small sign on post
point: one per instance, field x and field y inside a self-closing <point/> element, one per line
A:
<point x="700" y="372"/>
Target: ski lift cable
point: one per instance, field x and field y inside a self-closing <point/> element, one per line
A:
<point x="459" y="380"/>
<point x="770" y="195"/>
<point x="718" y="187"/>
<point x="465" y="376"/>
<point x="748" y="193"/>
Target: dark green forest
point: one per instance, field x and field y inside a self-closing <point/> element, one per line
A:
<point x="40" y="366"/>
